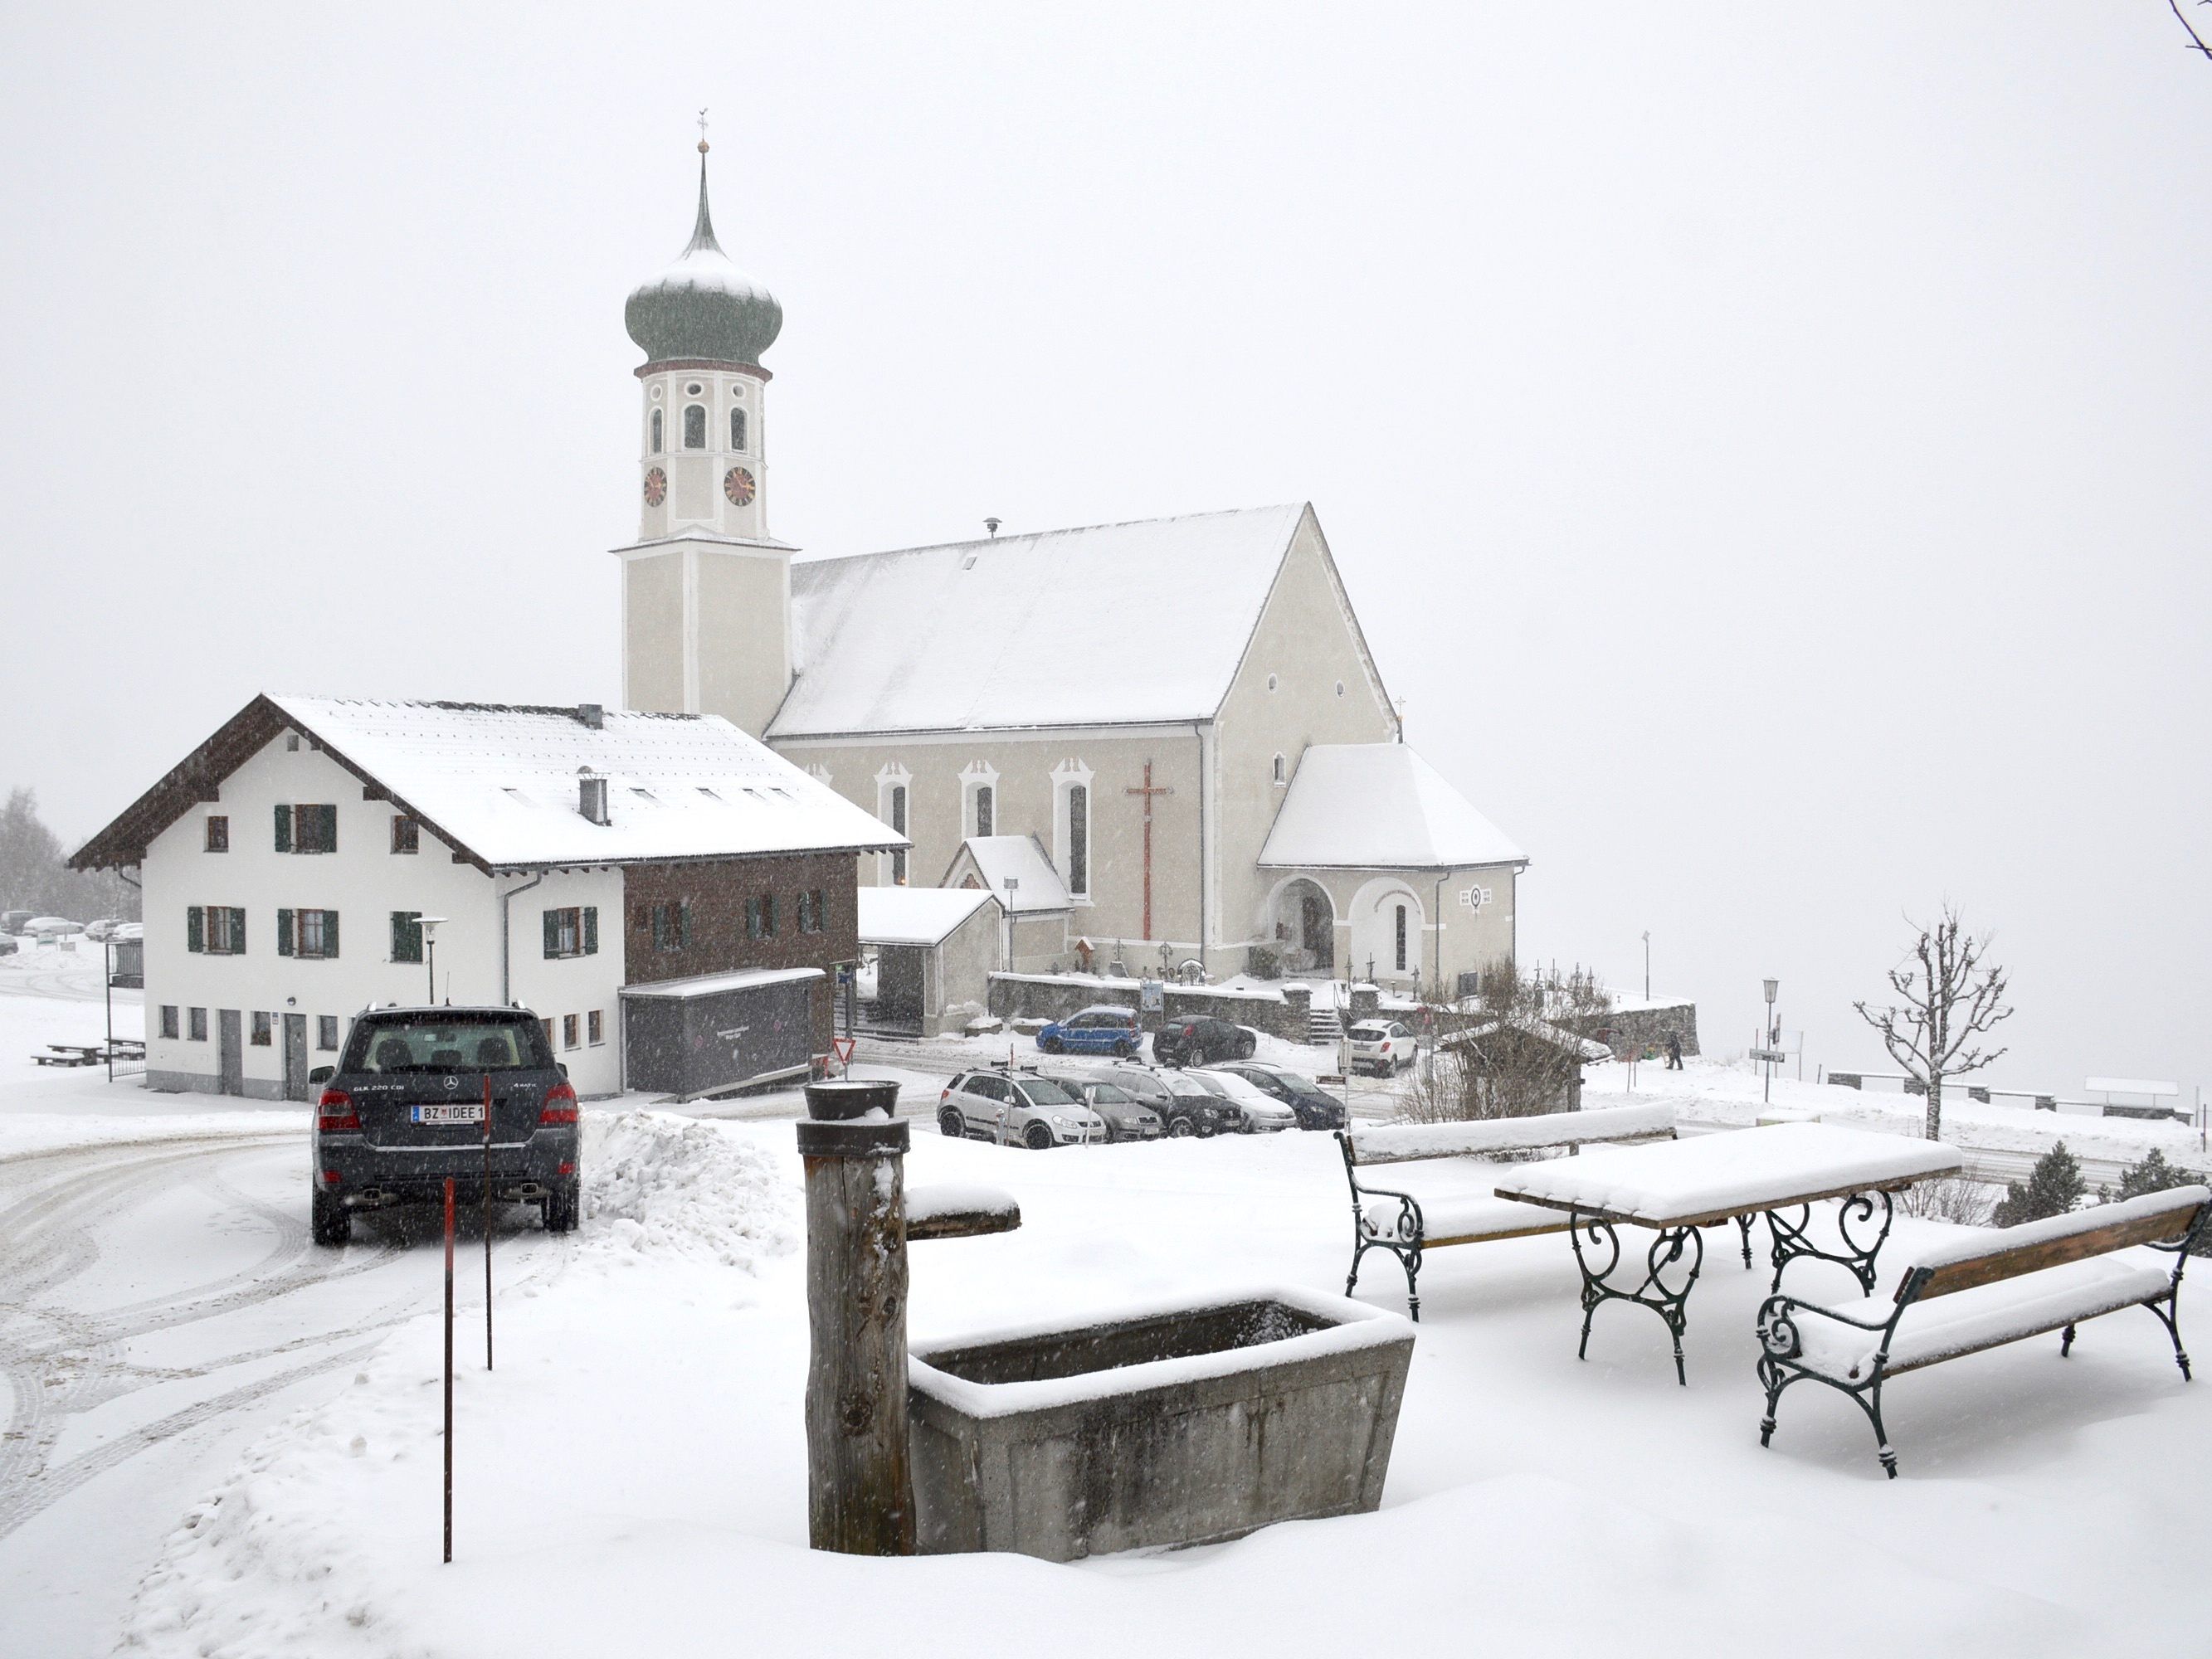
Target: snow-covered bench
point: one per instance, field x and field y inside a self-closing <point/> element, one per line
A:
<point x="1981" y="1290"/>
<point x="1406" y="1226"/>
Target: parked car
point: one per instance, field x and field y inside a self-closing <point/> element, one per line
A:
<point x="127" y="930"/>
<point x="11" y="921"/>
<point x="1105" y="1028"/>
<point x="51" y="926"/>
<point x="1381" y="1046"/>
<point x="1199" y="1040"/>
<point x="1011" y="1106"/>
<point x="1258" y="1112"/>
<point x="403" y="1111"/>
<point x="103" y="929"/>
<point x="8" y="946"/>
<point x="1186" y="1106"/>
<point x="1126" y="1117"/>
<point x="1317" y="1109"/>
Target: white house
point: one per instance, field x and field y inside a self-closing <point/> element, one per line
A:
<point x="293" y="863"/>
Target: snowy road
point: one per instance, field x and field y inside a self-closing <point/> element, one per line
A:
<point x="159" y="1300"/>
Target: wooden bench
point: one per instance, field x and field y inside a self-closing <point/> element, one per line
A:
<point x="1385" y="1219"/>
<point x="1981" y="1291"/>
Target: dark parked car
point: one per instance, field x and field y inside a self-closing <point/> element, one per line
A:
<point x="1200" y="1040"/>
<point x="404" y="1109"/>
<point x="1104" y="1030"/>
<point x="1317" y="1108"/>
<point x="1188" y="1108"/>
<point x="1128" y="1118"/>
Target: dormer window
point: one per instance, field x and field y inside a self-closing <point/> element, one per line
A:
<point x="694" y="426"/>
<point x="656" y="432"/>
<point x="738" y="430"/>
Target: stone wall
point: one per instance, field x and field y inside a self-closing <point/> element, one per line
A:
<point x="1632" y="1030"/>
<point x="1055" y="996"/>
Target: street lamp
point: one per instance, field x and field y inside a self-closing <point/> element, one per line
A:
<point x="1766" y="1087"/>
<point x="1647" y="964"/>
<point x="429" y="927"/>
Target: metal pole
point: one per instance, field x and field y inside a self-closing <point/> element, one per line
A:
<point x="1647" y="964"/>
<point x="449" y="1370"/>
<point x="431" y="952"/>
<point x="486" y="1223"/>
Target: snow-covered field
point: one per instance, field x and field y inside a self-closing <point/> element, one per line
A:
<point x="631" y="1479"/>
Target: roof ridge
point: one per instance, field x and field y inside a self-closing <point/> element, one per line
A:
<point x="1062" y="530"/>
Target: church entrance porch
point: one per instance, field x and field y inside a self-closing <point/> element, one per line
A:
<point x="1305" y="927"/>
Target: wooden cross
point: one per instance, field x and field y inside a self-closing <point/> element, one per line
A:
<point x="1148" y="792"/>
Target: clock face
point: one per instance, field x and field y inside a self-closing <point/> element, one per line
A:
<point x="656" y="486"/>
<point x="737" y="485"/>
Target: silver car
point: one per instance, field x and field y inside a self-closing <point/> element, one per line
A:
<point x="1186" y="1106"/>
<point x="1262" y="1114"/>
<point x="1017" y="1109"/>
<point x="1126" y="1117"/>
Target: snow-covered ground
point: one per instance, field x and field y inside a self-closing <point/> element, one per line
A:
<point x="631" y="1479"/>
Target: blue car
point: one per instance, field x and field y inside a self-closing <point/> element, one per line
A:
<point x="1100" y="1030"/>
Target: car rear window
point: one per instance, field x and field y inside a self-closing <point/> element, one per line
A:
<point x="1370" y="1031"/>
<point x="438" y="1041"/>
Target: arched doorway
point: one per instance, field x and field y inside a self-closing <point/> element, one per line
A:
<point x="1305" y="927"/>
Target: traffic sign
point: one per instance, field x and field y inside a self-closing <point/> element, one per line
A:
<point x="843" y="1048"/>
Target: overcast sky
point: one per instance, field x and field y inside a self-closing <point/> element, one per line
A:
<point x="1766" y="444"/>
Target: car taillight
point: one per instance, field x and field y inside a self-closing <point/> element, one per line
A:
<point x="944" y="1094"/>
<point x="335" y="1114"/>
<point x="559" y="1105"/>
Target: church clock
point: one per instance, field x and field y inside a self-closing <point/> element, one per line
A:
<point x="737" y="485"/>
<point x="656" y="486"/>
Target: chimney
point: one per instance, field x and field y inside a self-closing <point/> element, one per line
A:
<point x="590" y="795"/>
<point x="592" y="714"/>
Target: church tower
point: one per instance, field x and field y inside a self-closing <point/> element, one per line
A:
<point x="706" y="589"/>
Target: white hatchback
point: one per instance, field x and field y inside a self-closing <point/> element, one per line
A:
<point x="1381" y="1046"/>
<point x="1019" y="1109"/>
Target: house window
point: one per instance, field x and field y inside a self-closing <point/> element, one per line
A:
<point x="1402" y="939"/>
<point x="813" y="911"/>
<point x="406" y="834"/>
<point x="195" y="1024"/>
<point x="218" y="834"/>
<point x="548" y="1025"/>
<point x="306" y="828"/>
<point x="898" y="826"/>
<point x="671" y="927"/>
<point x="1282" y="768"/>
<point x="307" y="934"/>
<point x="407" y="936"/>
<point x="568" y="1031"/>
<point x="262" y="1023"/>
<point x="760" y="916"/>
<point x="573" y="931"/>
<point x="738" y="429"/>
<point x="984" y="803"/>
<point x="169" y="1020"/>
<point x="327" y="1033"/>
<point x="594" y="1031"/>
<point x="694" y="426"/>
<point x="217" y="929"/>
<point x="1078" y="839"/>
<point x="656" y="432"/>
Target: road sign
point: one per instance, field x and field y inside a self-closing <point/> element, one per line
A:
<point x="843" y="1048"/>
<point x="1772" y="1056"/>
<point x="1152" y="996"/>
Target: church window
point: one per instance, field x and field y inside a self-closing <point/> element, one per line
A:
<point x="656" y="432"/>
<point x="1340" y="688"/>
<point x="898" y="826"/>
<point x="738" y="429"/>
<point x="694" y="426"/>
<point x="1078" y="839"/>
<point x="1402" y="939"/>
<point x="1282" y="770"/>
<point x="693" y="390"/>
<point x="985" y="805"/>
<point x="1271" y="682"/>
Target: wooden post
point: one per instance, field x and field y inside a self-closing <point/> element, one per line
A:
<point x="860" y="1479"/>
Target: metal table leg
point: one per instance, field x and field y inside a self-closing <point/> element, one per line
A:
<point x="1861" y="1240"/>
<point x="1670" y="1268"/>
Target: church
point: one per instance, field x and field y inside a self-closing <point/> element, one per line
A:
<point x="1223" y="780"/>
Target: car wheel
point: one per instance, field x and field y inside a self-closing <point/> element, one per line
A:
<point x="1037" y="1138"/>
<point x="564" y="1207"/>
<point x="329" y="1221"/>
<point x="950" y="1123"/>
<point x="1181" y="1127"/>
<point x="1050" y="1045"/>
<point x="1247" y="1049"/>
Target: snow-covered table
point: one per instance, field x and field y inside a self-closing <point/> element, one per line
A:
<point x="1675" y="1187"/>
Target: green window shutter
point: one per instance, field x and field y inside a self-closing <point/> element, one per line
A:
<point x="552" y="932"/>
<point x="195" y="929"/>
<point x="238" y="930"/>
<point x="683" y="924"/>
<point x="330" y="818"/>
<point x="330" y="933"/>
<point x="283" y="932"/>
<point x="283" y="829"/>
<point x="590" y="930"/>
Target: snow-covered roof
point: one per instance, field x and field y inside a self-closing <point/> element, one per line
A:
<point x="499" y="782"/>
<point x="713" y="984"/>
<point x="1558" y="1036"/>
<point x="992" y="859"/>
<point x="968" y="635"/>
<point x="916" y="916"/>
<point x="1379" y="806"/>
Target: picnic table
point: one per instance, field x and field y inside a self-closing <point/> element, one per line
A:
<point x="1675" y="1187"/>
<point x="93" y="1053"/>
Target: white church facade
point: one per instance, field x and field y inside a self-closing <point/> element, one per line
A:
<point x="1221" y="778"/>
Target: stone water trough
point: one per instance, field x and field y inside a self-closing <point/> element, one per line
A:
<point x="1178" y="1425"/>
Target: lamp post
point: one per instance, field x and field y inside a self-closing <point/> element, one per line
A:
<point x="1647" y="964"/>
<point x="1766" y="1085"/>
<point x="429" y="927"/>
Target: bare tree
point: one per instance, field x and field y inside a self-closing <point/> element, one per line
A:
<point x="1949" y="995"/>
<point x="1515" y="1051"/>
<point x="2196" y="40"/>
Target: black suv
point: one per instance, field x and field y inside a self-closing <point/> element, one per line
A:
<point x="403" y="1110"/>
<point x="1317" y="1108"/>
<point x="1200" y="1040"/>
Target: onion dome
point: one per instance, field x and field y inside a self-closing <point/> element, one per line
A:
<point x="702" y="305"/>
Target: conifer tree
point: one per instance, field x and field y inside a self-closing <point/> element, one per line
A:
<point x="2054" y="1187"/>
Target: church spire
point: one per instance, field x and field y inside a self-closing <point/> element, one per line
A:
<point x="703" y="232"/>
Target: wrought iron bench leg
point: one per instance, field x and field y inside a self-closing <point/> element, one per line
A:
<point x="1412" y="1261"/>
<point x="1743" y="1224"/>
<point x="2169" y="1315"/>
<point x="2066" y="1342"/>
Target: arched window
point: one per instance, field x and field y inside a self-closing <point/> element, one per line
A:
<point x="985" y="802"/>
<point x="1078" y="840"/>
<point x="898" y="823"/>
<point x="694" y="426"/>
<point x="656" y="432"/>
<point x="738" y="430"/>
<point x="1402" y="939"/>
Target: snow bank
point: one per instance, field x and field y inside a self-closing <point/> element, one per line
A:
<point x="657" y="1184"/>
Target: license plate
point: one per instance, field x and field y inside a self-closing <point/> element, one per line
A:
<point x="470" y="1113"/>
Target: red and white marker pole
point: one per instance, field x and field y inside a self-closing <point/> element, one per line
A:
<point x="486" y="1218"/>
<point x="449" y="1370"/>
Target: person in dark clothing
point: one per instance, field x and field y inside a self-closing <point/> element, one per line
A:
<point x="1673" y="1052"/>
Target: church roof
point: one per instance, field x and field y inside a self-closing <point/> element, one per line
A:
<point x="995" y="859"/>
<point x="1379" y="806"/>
<point x="971" y="635"/>
<point x="497" y="782"/>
